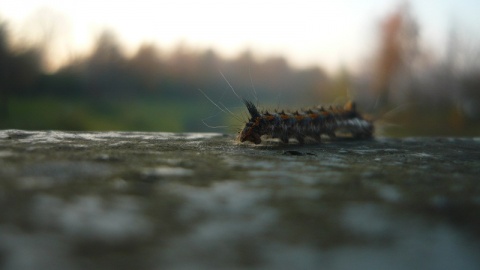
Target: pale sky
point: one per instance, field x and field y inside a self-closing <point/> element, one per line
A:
<point x="324" y="33"/>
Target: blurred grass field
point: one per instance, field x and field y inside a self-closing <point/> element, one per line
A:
<point x="175" y="115"/>
<point x="127" y="115"/>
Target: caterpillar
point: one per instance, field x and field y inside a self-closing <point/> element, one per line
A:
<point x="304" y="123"/>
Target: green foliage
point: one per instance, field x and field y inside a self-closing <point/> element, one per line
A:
<point x="136" y="115"/>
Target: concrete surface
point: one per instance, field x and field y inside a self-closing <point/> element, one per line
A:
<point x="133" y="200"/>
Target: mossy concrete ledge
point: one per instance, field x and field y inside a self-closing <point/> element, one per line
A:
<point x="136" y="200"/>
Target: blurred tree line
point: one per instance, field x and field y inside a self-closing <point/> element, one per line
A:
<point x="425" y="93"/>
<point x="107" y="73"/>
<point x="107" y="80"/>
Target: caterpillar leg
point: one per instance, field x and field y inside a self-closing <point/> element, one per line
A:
<point x="284" y="138"/>
<point x="300" y="139"/>
<point x="332" y="135"/>
<point x="317" y="138"/>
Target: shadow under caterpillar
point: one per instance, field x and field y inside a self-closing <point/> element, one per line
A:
<point x="305" y="123"/>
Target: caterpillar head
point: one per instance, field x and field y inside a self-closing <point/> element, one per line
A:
<point x="251" y="132"/>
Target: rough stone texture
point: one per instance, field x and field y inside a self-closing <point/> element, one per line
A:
<point x="126" y="200"/>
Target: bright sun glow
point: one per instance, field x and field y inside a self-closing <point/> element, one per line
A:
<point x="325" y="33"/>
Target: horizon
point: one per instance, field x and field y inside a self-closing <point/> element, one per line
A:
<point x="306" y="34"/>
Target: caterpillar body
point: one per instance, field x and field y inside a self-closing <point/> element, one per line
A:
<point x="305" y="123"/>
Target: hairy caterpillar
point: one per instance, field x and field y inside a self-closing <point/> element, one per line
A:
<point x="304" y="123"/>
